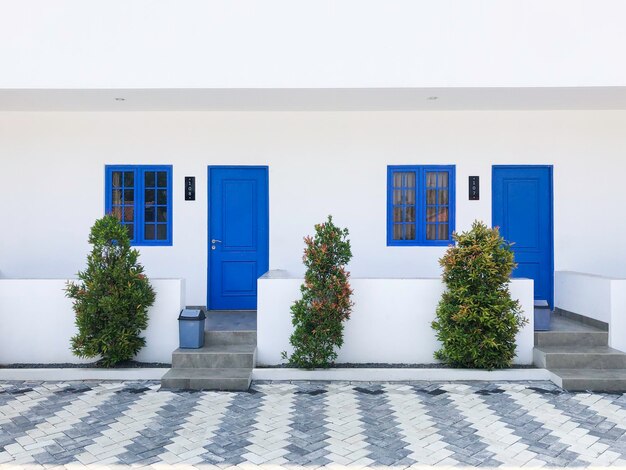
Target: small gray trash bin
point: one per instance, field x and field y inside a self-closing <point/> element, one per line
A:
<point x="542" y="315"/>
<point x="191" y="328"/>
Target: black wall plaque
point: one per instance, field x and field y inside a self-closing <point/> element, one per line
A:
<point x="474" y="188"/>
<point x="190" y="188"/>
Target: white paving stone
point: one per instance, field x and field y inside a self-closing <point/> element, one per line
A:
<point x="416" y="427"/>
<point x="553" y="419"/>
<point x="266" y="442"/>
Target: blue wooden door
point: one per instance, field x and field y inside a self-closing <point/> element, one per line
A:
<point x="522" y="208"/>
<point x="238" y="236"/>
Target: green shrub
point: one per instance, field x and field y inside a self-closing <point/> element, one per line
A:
<point x="476" y="318"/>
<point x="325" y="304"/>
<point x="111" y="300"/>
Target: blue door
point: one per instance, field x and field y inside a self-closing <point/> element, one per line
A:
<point x="522" y="208"/>
<point x="238" y="236"/>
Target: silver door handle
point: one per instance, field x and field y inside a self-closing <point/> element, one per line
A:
<point x="216" y="241"/>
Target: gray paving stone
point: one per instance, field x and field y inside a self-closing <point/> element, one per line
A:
<point x="30" y="411"/>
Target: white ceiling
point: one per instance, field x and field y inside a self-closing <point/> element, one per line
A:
<point x="370" y="99"/>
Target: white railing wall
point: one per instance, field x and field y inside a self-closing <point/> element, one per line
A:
<point x="37" y="322"/>
<point x="602" y="298"/>
<point x="390" y="322"/>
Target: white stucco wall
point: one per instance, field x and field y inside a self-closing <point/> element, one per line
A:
<point x="599" y="297"/>
<point x="617" y="327"/>
<point x="37" y="322"/>
<point x="390" y="320"/>
<point x="586" y="294"/>
<point x="311" y="43"/>
<point x="320" y="163"/>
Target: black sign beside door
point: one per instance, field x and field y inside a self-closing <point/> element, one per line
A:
<point x="190" y="188"/>
<point x="474" y="188"/>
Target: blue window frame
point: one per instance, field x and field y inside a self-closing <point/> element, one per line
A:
<point x="140" y="196"/>
<point x="420" y="205"/>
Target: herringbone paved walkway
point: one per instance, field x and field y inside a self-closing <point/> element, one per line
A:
<point x="310" y="425"/>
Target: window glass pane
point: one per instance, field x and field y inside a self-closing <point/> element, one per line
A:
<point x="397" y="232"/>
<point x="162" y="179"/>
<point x="161" y="214"/>
<point x="431" y="232"/>
<point x="116" y="196"/>
<point x="151" y="188"/>
<point x="149" y="179"/>
<point x="397" y="214"/>
<point x="429" y="222"/>
<point x="443" y="215"/>
<point x="431" y="196"/>
<point x="162" y="232"/>
<point x="162" y="196"/>
<point x="410" y="196"/>
<point x="443" y="196"/>
<point x="397" y="196"/>
<point x="149" y="214"/>
<point x="443" y="232"/>
<point x="410" y="214"/>
<point x="148" y="230"/>
<point x="410" y="232"/>
<point x="129" y="179"/>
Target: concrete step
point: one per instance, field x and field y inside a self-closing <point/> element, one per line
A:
<point x="235" y="356"/>
<point x="228" y="338"/>
<point x="578" y="357"/>
<point x="207" y="379"/>
<point x="567" y="332"/>
<point x="592" y="380"/>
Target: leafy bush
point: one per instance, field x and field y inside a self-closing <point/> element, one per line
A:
<point x="111" y="300"/>
<point x="325" y="304"/>
<point x="476" y="318"/>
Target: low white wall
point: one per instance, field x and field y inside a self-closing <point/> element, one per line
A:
<point x="390" y="322"/>
<point x="599" y="297"/>
<point x="37" y="321"/>
<point x="582" y="293"/>
<point x="617" y="326"/>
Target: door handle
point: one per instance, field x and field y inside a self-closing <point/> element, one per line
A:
<point x="216" y="241"/>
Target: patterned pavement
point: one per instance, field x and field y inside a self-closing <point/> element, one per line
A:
<point x="309" y="425"/>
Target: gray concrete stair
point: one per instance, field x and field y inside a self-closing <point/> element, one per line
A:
<point x="575" y="357"/>
<point x="216" y="356"/>
<point x="578" y="356"/>
<point x="567" y="332"/>
<point x="207" y="379"/>
<point x="592" y="380"/>
<point x="228" y="338"/>
<point x="226" y="360"/>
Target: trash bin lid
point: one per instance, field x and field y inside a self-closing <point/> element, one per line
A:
<point x="191" y="314"/>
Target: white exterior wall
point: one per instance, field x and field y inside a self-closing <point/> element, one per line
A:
<point x="585" y="294"/>
<point x="37" y="322"/>
<point x="617" y="327"/>
<point x="599" y="297"/>
<point x="311" y="43"/>
<point x="52" y="181"/>
<point x="390" y="320"/>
